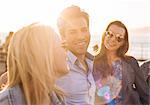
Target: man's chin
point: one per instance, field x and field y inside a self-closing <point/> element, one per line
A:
<point x="81" y="52"/>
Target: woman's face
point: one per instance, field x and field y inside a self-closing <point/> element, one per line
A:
<point x="114" y="38"/>
<point x="60" y="59"/>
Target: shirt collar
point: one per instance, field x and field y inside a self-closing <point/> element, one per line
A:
<point x="73" y="58"/>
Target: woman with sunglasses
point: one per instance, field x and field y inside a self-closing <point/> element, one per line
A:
<point x="117" y="76"/>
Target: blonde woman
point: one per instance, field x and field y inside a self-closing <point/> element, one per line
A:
<point x="35" y="61"/>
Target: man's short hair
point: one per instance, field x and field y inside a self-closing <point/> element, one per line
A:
<point x="69" y="13"/>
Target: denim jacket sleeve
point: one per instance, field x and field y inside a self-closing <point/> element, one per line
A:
<point x="12" y="96"/>
<point x="5" y="98"/>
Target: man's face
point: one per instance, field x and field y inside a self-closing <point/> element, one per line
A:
<point x="77" y="35"/>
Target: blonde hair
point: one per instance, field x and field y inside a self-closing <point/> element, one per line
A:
<point x="31" y="63"/>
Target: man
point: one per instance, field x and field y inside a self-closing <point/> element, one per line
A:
<point x="78" y="84"/>
<point x="145" y="67"/>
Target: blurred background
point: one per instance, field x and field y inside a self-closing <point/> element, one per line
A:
<point x="135" y="14"/>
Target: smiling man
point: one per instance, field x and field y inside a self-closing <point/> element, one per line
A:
<point x="78" y="84"/>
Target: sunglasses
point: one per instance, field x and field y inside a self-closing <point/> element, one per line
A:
<point x="118" y="37"/>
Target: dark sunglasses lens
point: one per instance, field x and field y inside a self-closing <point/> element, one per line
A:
<point x="119" y="39"/>
<point x="109" y="34"/>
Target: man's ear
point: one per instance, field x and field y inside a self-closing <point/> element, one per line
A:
<point x="64" y="44"/>
<point x="63" y="41"/>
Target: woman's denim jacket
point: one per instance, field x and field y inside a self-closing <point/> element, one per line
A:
<point x="14" y="96"/>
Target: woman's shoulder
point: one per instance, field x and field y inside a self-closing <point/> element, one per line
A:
<point x="11" y="96"/>
<point x="5" y="96"/>
<point x="130" y="58"/>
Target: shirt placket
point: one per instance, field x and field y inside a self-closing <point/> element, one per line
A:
<point x="88" y="81"/>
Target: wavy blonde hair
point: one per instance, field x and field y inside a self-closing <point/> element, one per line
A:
<point x="31" y="57"/>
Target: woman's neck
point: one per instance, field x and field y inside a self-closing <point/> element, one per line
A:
<point x="112" y="56"/>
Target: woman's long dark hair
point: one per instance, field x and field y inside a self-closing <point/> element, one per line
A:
<point x="101" y="62"/>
